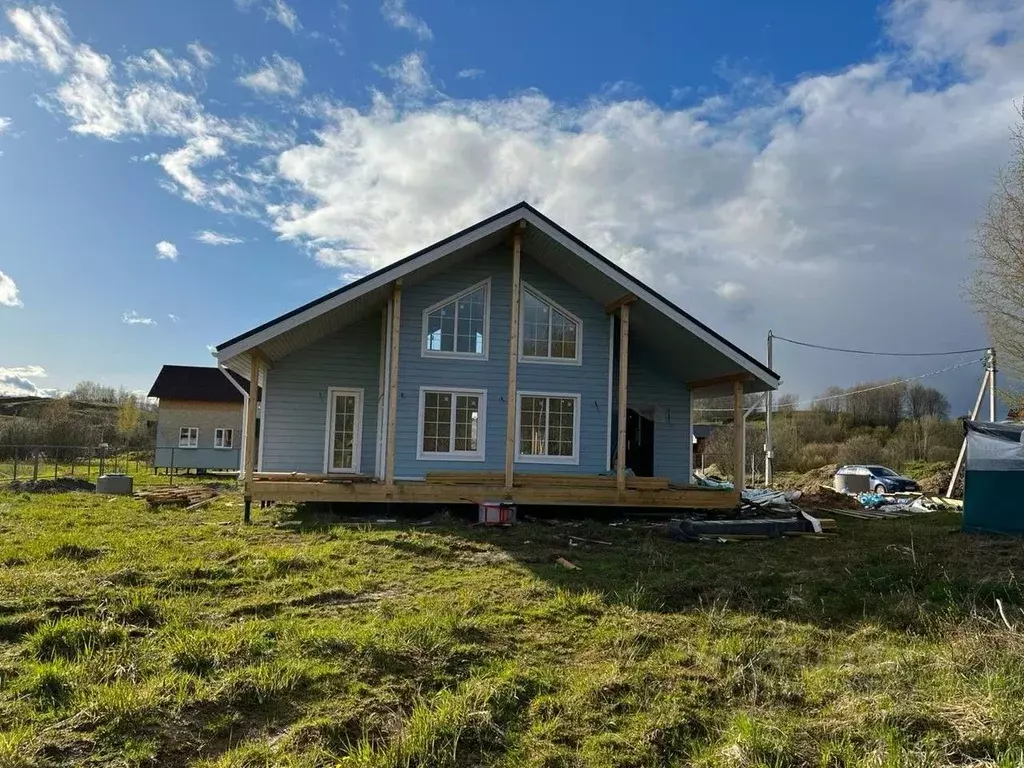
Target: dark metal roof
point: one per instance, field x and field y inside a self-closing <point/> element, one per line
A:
<point x="704" y="430"/>
<point x="521" y="205"/>
<point x="201" y="384"/>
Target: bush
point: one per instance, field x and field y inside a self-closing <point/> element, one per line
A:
<point x="861" y="449"/>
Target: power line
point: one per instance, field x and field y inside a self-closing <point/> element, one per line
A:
<point x="867" y="389"/>
<point x="881" y="354"/>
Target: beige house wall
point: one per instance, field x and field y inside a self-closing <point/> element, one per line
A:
<point x="175" y="414"/>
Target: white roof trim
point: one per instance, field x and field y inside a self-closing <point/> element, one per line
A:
<point x="518" y="213"/>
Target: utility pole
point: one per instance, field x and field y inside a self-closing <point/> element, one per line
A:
<point x="768" y="424"/>
<point x="992" y="384"/>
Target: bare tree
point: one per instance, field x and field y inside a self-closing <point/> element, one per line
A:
<point x="997" y="288"/>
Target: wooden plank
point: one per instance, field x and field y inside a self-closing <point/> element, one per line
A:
<point x="396" y="327"/>
<point x="513" y="355"/>
<point x="437" y="493"/>
<point x="729" y="378"/>
<point x="620" y="457"/>
<point x="622" y="301"/>
<point x="250" y="418"/>
<point x="533" y="479"/>
<point x="312" y="477"/>
<point x="739" y="436"/>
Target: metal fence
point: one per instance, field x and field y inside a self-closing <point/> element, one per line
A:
<point x="37" y="462"/>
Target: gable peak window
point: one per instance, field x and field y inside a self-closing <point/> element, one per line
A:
<point x="548" y="333"/>
<point x="458" y="326"/>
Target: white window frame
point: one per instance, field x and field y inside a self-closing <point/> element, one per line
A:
<point x="578" y="360"/>
<point x="191" y="441"/>
<point x="357" y="438"/>
<point x="218" y="438"/>
<point x="454" y="355"/>
<point x="531" y="459"/>
<point x="452" y="455"/>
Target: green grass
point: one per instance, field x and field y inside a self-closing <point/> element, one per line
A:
<point x="132" y="637"/>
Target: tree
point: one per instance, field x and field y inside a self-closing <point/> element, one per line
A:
<point x="786" y="402"/>
<point x="997" y="288"/>
<point x="128" y="417"/>
<point x="925" y="401"/>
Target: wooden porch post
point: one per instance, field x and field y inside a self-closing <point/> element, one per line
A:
<point x="620" y="456"/>
<point x="251" y="403"/>
<point x="396" y="327"/>
<point x="513" y="357"/>
<point x="739" y="436"/>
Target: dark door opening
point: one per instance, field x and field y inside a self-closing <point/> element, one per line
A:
<point x="639" y="444"/>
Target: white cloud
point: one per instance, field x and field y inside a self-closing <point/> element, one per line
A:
<point x="44" y="34"/>
<point x="278" y="10"/>
<point x="470" y="74"/>
<point x="17" y="381"/>
<point x="398" y="16"/>
<point x="157" y="64"/>
<point x="133" y="318"/>
<point x="13" y="50"/>
<point x="731" y="291"/>
<point x="215" y="238"/>
<point x="8" y="292"/>
<point x="180" y="165"/>
<point x="410" y="75"/>
<point x="279" y="75"/>
<point x="166" y="250"/>
<point x="5" y="123"/>
<point x="173" y="318"/>
<point x="203" y="56"/>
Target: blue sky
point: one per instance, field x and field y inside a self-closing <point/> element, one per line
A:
<point x="173" y="174"/>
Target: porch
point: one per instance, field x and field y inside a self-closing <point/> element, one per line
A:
<point x="475" y="487"/>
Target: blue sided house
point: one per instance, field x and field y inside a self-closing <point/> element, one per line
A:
<point x="509" y="362"/>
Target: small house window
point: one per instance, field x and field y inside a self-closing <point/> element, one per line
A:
<point x="549" y="333"/>
<point x="452" y="424"/>
<point x="188" y="437"/>
<point x="458" y="326"/>
<point x="223" y="438"/>
<point x="548" y="428"/>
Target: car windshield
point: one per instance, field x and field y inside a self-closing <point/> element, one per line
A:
<point x="882" y="472"/>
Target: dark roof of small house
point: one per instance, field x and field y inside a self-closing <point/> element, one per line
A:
<point x="198" y="383"/>
<point x="704" y="430"/>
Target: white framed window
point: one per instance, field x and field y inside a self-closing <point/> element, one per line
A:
<point x="452" y="424"/>
<point x="188" y="437"/>
<point x="548" y="427"/>
<point x="459" y="326"/>
<point x="223" y="437"/>
<point x="548" y="333"/>
<point x="344" y="438"/>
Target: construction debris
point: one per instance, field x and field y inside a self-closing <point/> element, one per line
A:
<point x="178" y="495"/>
<point x="566" y="564"/>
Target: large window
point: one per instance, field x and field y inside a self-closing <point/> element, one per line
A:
<point x="452" y="424"/>
<point x="458" y="327"/>
<point x="548" y="333"/>
<point x="547" y="428"/>
<point x="223" y="438"/>
<point x="188" y="437"/>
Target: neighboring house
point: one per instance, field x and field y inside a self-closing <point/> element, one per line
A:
<point x="199" y="422"/>
<point x="486" y="367"/>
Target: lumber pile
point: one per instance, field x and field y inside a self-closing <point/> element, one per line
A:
<point x="177" y="495"/>
<point x="312" y="477"/>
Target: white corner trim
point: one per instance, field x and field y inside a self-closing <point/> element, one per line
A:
<point x="611" y="365"/>
<point x="578" y="360"/>
<point x="478" y="455"/>
<point x="357" y="438"/>
<point x="453" y="355"/>
<point x="531" y="459"/>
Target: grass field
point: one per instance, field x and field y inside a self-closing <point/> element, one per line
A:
<point x="138" y="637"/>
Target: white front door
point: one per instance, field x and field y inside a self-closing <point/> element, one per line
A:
<point x="344" y="429"/>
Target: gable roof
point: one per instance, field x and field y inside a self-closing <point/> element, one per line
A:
<point x="197" y="383"/>
<point x="491" y="230"/>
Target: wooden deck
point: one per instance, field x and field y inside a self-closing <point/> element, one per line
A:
<point x="475" y="487"/>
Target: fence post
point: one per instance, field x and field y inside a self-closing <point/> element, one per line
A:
<point x="56" y="458"/>
<point x="170" y="472"/>
<point x="88" y="466"/>
<point x="35" y="466"/>
<point x="73" y="457"/>
<point x="103" y="457"/>
<point x="15" y="462"/>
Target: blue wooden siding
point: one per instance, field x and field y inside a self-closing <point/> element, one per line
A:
<point x="589" y="380"/>
<point x="198" y="458"/>
<point x="295" y="411"/>
<point x="667" y="401"/>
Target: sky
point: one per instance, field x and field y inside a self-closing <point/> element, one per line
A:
<point x="173" y="174"/>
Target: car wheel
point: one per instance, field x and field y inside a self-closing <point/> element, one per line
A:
<point x="880" y="489"/>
